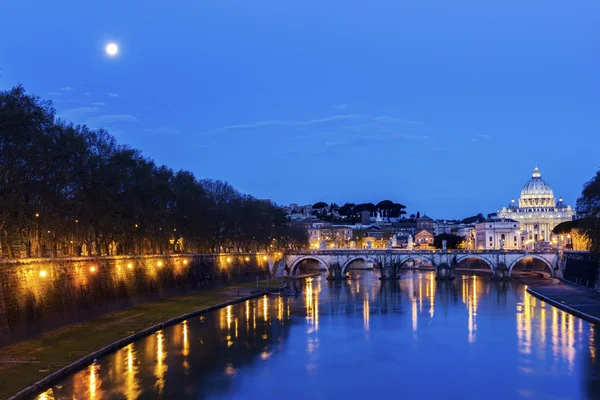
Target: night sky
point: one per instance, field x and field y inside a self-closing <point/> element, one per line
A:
<point x="442" y="106"/>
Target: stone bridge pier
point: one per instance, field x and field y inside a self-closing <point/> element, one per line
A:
<point x="336" y="263"/>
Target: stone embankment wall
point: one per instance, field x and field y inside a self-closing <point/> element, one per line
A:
<point x="37" y="295"/>
<point x="582" y="268"/>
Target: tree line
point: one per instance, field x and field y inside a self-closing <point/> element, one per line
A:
<point x="67" y="189"/>
<point x="588" y="215"/>
<point x="351" y="212"/>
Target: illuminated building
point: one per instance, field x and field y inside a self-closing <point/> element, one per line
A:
<point x="538" y="212"/>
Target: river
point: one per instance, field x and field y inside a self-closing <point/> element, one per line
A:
<point x="471" y="338"/>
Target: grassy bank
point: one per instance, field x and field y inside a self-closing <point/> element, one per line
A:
<point x="26" y="362"/>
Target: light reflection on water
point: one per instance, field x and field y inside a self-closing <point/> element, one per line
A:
<point x="470" y="338"/>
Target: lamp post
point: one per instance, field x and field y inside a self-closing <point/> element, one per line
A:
<point x="37" y="234"/>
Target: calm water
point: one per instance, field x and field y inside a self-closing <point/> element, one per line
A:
<point x="413" y="338"/>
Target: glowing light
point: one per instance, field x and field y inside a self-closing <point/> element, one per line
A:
<point x="130" y="265"/>
<point x="366" y="312"/>
<point x="43" y="273"/>
<point x="92" y="269"/>
<point x="112" y="49"/>
<point x="247" y="258"/>
<point x="185" y="262"/>
<point x="228" y="259"/>
<point x="265" y="258"/>
<point x="160" y="368"/>
<point x="160" y="263"/>
<point x="265" y="309"/>
<point x="228" y="317"/>
<point x="37" y="215"/>
<point x="186" y="343"/>
<point x="92" y="382"/>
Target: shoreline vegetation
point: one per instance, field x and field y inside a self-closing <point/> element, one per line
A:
<point x="68" y="190"/>
<point x="26" y="362"/>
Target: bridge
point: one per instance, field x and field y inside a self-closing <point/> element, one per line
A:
<point x="389" y="262"/>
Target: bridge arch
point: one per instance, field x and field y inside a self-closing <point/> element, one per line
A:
<point x="296" y="263"/>
<point x="403" y="260"/>
<point x="537" y="257"/>
<point x="355" y="258"/>
<point x="476" y="257"/>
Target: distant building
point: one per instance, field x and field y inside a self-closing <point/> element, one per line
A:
<point x="365" y="217"/>
<point x="425" y="223"/>
<point x="537" y="211"/>
<point x="294" y="212"/>
<point x="335" y="236"/>
<point x="440" y="227"/>
<point x="424" y="238"/>
<point x="466" y="231"/>
<point x="493" y="234"/>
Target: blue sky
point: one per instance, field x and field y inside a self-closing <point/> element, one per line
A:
<point x="443" y="106"/>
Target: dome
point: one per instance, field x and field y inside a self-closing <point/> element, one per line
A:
<point x="512" y="205"/>
<point x="536" y="187"/>
<point x="537" y="193"/>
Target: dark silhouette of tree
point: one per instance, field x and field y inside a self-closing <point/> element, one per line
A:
<point x="69" y="190"/>
<point x="452" y="241"/>
<point x="474" y="219"/>
<point x="365" y="207"/>
<point x="588" y="211"/>
<point x="347" y="209"/>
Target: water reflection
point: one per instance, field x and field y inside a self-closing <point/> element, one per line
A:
<point x="355" y="332"/>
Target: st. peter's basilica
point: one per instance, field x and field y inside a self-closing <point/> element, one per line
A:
<point x="538" y="211"/>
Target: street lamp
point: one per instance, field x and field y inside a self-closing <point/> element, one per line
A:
<point x="37" y="234"/>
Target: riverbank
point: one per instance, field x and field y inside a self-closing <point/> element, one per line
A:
<point x="580" y="301"/>
<point x="26" y="362"/>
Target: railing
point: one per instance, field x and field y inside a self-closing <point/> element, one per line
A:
<point x="419" y="251"/>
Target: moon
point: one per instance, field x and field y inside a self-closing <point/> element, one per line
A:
<point x="112" y="49"/>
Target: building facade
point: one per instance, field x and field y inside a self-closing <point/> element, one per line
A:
<point x="424" y="238"/>
<point x="537" y="211"/>
<point x="494" y="234"/>
<point x="334" y="236"/>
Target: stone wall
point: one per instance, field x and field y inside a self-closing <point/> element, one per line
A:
<point x="582" y="268"/>
<point x="37" y="295"/>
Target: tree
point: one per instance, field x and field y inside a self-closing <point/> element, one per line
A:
<point x="397" y="211"/>
<point x="588" y="210"/>
<point x="347" y="209"/>
<point x="474" y="219"/>
<point x="418" y="214"/>
<point x="319" y="205"/>
<point x="452" y="241"/>
<point x="67" y="189"/>
<point x="365" y="207"/>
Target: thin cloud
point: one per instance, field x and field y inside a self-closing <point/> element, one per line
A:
<point x="78" y="114"/>
<point x="385" y="118"/>
<point x="480" y="137"/>
<point x="66" y="89"/>
<point x="111" y="118"/>
<point x="114" y="94"/>
<point x="99" y="104"/>
<point x="262" y="124"/>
